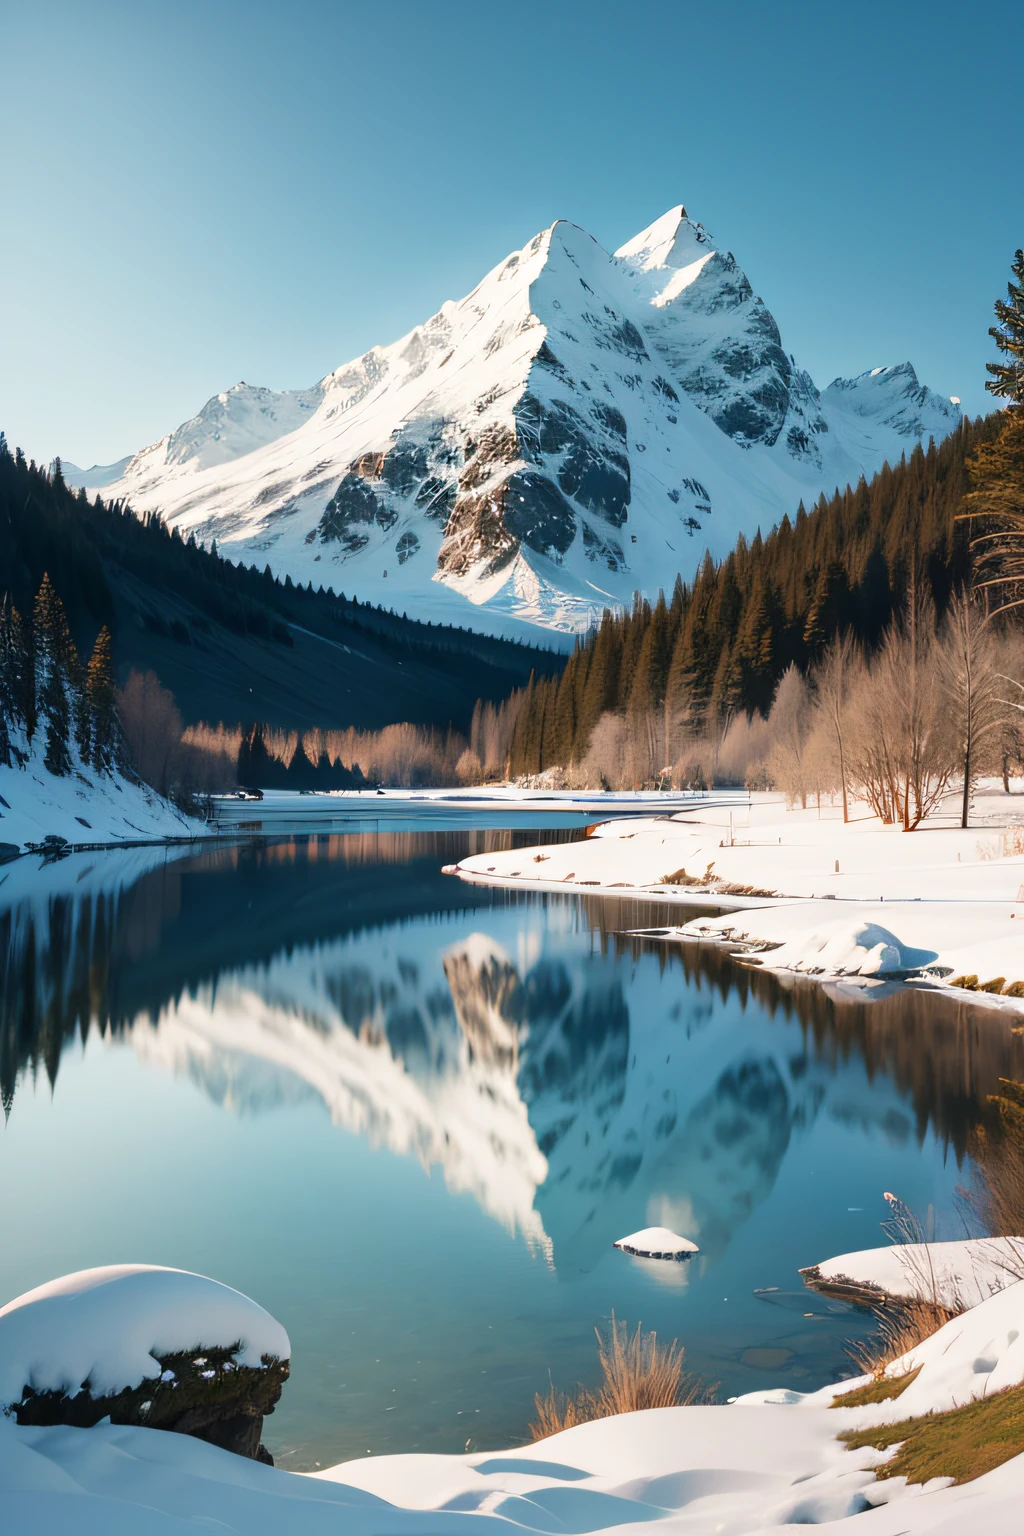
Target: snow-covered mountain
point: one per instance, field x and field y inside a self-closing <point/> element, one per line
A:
<point x="581" y="426"/>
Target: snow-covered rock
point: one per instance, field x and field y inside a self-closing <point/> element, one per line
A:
<point x="657" y="1243"/>
<point x="138" y="1345"/>
<point x="109" y="1326"/>
<point x="579" y="426"/>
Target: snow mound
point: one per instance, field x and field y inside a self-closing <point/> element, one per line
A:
<point x="657" y="1243"/>
<point x="975" y="1355"/>
<point x="961" y="1273"/>
<point x="108" y="1326"/>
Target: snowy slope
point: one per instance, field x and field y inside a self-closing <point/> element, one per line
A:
<point x="580" y="426"/>
<point x="84" y="807"/>
<point x="770" y="1461"/>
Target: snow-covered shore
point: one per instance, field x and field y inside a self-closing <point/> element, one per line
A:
<point x="90" y="808"/>
<point x="956" y="1274"/>
<point x="770" y="1460"/>
<point x="814" y="895"/>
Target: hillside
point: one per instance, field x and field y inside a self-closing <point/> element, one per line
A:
<point x="231" y="642"/>
<point x="722" y="643"/>
<point x="581" y="426"/>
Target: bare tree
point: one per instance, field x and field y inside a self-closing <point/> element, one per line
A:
<point x="790" y="726"/>
<point x="968" y="655"/>
<point x="469" y="769"/>
<point x="903" y="748"/>
<point x="152" y="727"/>
<point x="831" y="681"/>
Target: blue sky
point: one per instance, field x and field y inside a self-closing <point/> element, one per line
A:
<point x="201" y="193"/>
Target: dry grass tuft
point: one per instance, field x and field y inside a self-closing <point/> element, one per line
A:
<point x="902" y="1325"/>
<point x="638" y="1373"/>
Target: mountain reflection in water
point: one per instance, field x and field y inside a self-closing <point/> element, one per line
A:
<point x="574" y="1081"/>
<point x="566" y="1089"/>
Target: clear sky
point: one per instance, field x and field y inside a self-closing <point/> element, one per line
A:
<point x="197" y="193"/>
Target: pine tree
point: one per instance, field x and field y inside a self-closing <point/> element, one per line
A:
<point x="995" y="509"/>
<point x="101" y="694"/>
<point x="10" y="666"/>
<point x="1007" y="379"/>
<point x="56" y="665"/>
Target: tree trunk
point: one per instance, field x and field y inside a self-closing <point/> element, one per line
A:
<point x="967" y="789"/>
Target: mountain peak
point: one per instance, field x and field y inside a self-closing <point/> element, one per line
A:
<point x="674" y="240"/>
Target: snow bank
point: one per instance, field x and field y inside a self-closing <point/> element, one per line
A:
<point x="974" y="1355"/>
<point x="961" y="1273"/>
<point x="835" y="900"/>
<point x="767" y="1461"/>
<point x="85" y="808"/>
<point x="940" y="941"/>
<point x="108" y="1327"/>
<point x="740" y="1470"/>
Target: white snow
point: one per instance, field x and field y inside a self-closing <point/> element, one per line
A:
<point x="960" y="1273"/>
<point x="656" y="1243"/>
<point x="648" y="353"/>
<point x="852" y="903"/>
<point x="768" y="1461"/>
<point x="84" y="807"/>
<point x="107" y="1326"/>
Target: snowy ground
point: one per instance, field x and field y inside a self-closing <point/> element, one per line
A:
<point x="861" y="900"/>
<point x="769" y="1461"/>
<point x="84" y="808"/>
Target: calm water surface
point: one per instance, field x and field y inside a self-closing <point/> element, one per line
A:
<point x="410" y="1117"/>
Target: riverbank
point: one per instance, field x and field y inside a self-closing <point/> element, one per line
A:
<point x="855" y="901"/>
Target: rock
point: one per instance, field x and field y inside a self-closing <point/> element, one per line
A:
<point x="198" y="1393"/>
<point x="657" y="1243"/>
<point x="9" y="851"/>
<point x="117" y="1343"/>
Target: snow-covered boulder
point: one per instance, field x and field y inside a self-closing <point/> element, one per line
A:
<point x="140" y="1344"/>
<point x="657" y="1243"/>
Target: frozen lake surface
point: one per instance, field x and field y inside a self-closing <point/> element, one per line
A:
<point x="410" y="1117"/>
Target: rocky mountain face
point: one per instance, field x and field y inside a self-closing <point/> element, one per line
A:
<point x="581" y="426"/>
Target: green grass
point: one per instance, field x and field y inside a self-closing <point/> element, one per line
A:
<point x="962" y="1444"/>
<point x="881" y="1390"/>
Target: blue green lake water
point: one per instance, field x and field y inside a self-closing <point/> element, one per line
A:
<point x="411" y="1116"/>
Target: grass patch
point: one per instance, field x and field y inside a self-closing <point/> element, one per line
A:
<point x="881" y="1390"/>
<point x="962" y="1444"/>
<point x="637" y="1372"/>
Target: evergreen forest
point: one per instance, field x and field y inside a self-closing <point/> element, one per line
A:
<point x="230" y="641"/>
<point x="718" y="648"/>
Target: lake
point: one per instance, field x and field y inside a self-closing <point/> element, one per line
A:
<point x="410" y="1117"/>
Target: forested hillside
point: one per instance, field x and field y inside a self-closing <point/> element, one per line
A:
<point x="720" y="647"/>
<point x="229" y="641"/>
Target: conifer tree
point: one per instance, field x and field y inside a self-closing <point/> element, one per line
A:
<point x="1007" y="379"/>
<point x="100" y="690"/>
<point x="56" y="665"/>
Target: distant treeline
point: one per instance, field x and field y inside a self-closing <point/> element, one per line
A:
<point x="720" y="646"/>
<point x="104" y="563"/>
